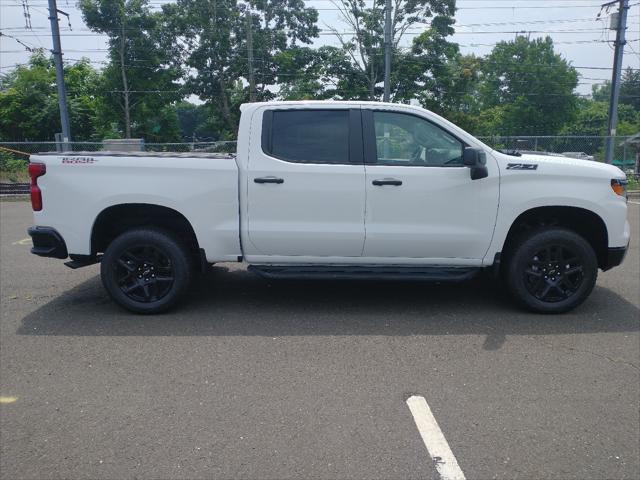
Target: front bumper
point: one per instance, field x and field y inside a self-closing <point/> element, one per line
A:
<point x="614" y="257"/>
<point x="47" y="242"/>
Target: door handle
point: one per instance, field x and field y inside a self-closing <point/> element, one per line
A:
<point x="268" y="180"/>
<point x="387" y="181"/>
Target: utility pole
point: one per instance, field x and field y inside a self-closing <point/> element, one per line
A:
<point x="252" y="80"/>
<point x="57" y="57"/>
<point x="387" y="50"/>
<point x="623" y="7"/>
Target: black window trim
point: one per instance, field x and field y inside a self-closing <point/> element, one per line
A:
<point x="369" y="138"/>
<point x="356" y="154"/>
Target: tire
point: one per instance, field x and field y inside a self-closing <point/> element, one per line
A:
<point x="551" y="270"/>
<point x="146" y="270"/>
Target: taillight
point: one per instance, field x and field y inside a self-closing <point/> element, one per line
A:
<point x="36" y="170"/>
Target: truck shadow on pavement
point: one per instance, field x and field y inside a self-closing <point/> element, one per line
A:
<point x="235" y="302"/>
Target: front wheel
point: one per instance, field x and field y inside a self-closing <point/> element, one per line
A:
<point x="146" y="270"/>
<point x="551" y="270"/>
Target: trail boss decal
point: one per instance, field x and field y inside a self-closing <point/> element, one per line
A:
<point x="522" y="166"/>
<point x="78" y="160"/>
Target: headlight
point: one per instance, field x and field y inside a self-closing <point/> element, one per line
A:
<point x="619" y="186"/>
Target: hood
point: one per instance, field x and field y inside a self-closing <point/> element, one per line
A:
<point x="564" y="165"/>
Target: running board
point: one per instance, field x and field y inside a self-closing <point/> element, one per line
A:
<point x="432" y="274"/>
<point x="79" y="261"/>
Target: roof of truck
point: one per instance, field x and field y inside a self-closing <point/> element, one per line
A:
<point x="326" y="102"/>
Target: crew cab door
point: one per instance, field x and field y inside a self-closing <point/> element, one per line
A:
<point x="306" y="187"/>
<point x="422" y="206"/>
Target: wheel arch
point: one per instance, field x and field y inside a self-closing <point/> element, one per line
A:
<point x="582" y="221"/>
<point x="116" y="219"/>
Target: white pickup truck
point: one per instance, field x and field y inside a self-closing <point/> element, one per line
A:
<point x="334" y="190"/>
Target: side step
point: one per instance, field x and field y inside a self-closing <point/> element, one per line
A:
<point x="79" y="261"/>
<point x="432" y="274"/>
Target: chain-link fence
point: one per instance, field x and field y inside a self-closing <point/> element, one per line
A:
<point x="586" y="147"/>
<point x="14" y="155"/>
<point x="121" y="145"/>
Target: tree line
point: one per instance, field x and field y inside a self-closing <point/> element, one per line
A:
<point x="228" y="52"/>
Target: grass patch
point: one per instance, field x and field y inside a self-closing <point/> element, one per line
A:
<point x="13" y="169"/>
<point x="14" y="198"/>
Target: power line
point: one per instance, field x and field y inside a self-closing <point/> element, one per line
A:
<point x="408" y="32"/>
<point x="485" y="24"/>
<point x="572" y="42"/>
<point x="489" y="7"/>
<point x="28" y="48"/>
<point x="189" y="92"/>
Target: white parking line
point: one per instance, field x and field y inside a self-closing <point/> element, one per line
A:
<point x="437" y="446"/>
<point x="24" y="241"/>
<point x="635" y="203"/>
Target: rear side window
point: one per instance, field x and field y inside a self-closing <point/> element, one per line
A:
<point x="307" y="136"/>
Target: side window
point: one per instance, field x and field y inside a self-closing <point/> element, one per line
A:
<point x="307" y="136"/>
<point x="408" y="140"/>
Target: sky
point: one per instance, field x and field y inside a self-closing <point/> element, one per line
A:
<point x="578" y="36"/>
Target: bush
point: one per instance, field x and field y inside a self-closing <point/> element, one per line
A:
<point x="12" y="167"/>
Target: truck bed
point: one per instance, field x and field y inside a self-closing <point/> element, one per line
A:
<point x="106" y="153"/>
<point x="79" y="187"/>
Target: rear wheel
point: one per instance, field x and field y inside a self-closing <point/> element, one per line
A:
<point x="146" y="270"/>
<point x="551" y="270"/>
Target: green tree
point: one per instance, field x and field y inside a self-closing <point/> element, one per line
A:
<point x="526" y="89"/>
<point x="198" y="123"/>
<point x="461" y="104"/>
<point x="231" y="49"/>
<point x="305" y="73"/>
<point x="451" y="89"/>
<point x="592" y="116"/>
<point x="591" y="121"/>
<point x="29" y="100"/>
<point x="629" y="89"/>
<point x="140" y="81"/>
<point x="411" y="70"/>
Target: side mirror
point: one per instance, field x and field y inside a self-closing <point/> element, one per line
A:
<point x="476" y="160"/>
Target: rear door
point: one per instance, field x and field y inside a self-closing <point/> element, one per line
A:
<point x="306" y="189"/>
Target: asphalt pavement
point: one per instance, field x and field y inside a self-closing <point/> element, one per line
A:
<point x="308" y="379"/>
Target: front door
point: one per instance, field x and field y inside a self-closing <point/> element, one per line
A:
<point x="306" y="188"/>
<point x="422" y="206"/>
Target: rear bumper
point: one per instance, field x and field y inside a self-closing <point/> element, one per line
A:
<point x="47" y="242"/>
<point x="614" y="257"/>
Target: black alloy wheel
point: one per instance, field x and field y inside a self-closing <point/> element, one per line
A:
<point x="554" y="274"/>
<point x="550" y="269"/>
<point x="144" y="273"/>
<point x="147" y="270"/>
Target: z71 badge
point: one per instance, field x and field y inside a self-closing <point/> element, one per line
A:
<point x="522" y="166"/>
